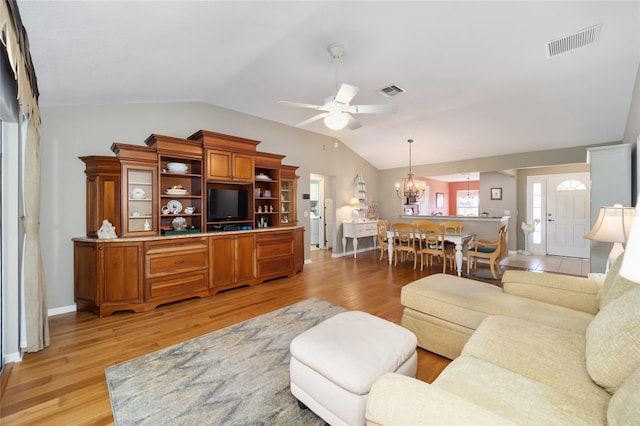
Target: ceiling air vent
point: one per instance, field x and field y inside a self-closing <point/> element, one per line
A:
<point x="572" y="41"/>
<point x="391" y="90"/>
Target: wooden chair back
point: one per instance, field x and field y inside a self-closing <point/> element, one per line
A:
<point x="491" y="250"/>
<point x="404" y="241"/>
<point x="383" y="239"/>
<point x="452" y="227"/>
<point x="419" y="222"/>
<point x="431" y="243"/>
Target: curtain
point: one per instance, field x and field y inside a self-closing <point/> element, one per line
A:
<point x="15" y="40"/>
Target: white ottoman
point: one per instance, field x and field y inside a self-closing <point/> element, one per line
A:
<point x="334" y="364"/>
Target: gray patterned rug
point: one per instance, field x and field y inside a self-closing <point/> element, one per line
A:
<point x="235" y="376"/>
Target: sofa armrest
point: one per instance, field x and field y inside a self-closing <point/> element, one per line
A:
<point x="572" y="292"/>
<point x="400" y="400"/>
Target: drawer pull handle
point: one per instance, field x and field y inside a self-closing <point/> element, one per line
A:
<point x="178" y="262"/>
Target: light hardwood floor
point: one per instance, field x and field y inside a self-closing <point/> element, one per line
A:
<point x="65" y="383"/>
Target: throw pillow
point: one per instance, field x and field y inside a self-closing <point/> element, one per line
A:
<point x="614" y="285"/>
<point x="613" y="341"/>
<point x="624" y="407"/>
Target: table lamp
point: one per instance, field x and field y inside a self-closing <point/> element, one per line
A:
<point x="613" y="226"/>
<point x="630" y="268"/>
<point x="355" y="208"/>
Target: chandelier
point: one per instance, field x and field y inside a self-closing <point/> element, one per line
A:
<point x="409" y="189"/>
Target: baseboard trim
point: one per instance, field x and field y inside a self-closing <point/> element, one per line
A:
<point x="350" y="252"/>
<point x="4" y="378"/>
<point x="14" y="357"/>
<point x="61" y="310"/>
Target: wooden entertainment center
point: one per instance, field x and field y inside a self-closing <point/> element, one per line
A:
<point x="144" y="191"/>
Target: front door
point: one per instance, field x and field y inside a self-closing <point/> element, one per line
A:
<point x="567" y="215"/>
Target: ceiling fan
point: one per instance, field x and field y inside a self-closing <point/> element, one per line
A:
<point x="337" y="109"/>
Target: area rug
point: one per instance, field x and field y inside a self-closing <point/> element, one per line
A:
<point x="235" y="376"/>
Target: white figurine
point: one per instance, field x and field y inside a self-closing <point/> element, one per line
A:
<point x="107" y="230"/>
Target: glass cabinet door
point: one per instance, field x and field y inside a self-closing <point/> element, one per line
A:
<point x="286" y="203"/>
<point x="138" y="200"/>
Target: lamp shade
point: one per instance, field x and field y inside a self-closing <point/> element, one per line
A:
<point x="630" y="268"/>
<point x="613" y="224"/>
<point x="355" y="202"/>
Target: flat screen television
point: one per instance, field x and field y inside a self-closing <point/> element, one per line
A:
<point x="227" y="204"/>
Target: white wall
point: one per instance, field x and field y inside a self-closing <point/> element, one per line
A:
<point x="71" y="132"/>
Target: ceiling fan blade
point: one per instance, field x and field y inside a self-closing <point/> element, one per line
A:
<point x="373" y="109"/>
<point x="312" y="119"/>
<point x="346" y="93"/>
<point x="299" y="105"/>
<point x="353" y="124"/>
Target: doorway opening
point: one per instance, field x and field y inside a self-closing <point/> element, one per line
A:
<point x="321" y="212"/>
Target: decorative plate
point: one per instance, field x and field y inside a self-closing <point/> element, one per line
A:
<point x="179" y="223"/>
<point x="174" y="206"/>
<point x="176" y="192"/>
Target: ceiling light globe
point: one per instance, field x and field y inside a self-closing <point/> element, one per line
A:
<point x="336" y="120"/>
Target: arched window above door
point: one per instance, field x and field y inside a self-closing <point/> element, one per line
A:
<point x="571" y="185"/>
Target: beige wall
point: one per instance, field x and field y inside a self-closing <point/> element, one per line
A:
<point x="70" y="132"/>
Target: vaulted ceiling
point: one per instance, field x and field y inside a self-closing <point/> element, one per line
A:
<point x="477" y="77"/>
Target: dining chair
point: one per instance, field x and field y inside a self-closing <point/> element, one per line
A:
<point x="383" y="239"/>
<point x="419" y="222"/>
<point x="431" y="243"/>
<point x="491" y="250"/>
<point x="404" y="242"/>
<point x="451" y="227"/>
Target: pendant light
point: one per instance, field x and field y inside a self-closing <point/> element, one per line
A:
<point x="409" y="189"/>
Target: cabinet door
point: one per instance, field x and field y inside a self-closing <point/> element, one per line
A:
<point x="231" y="261"/>
<point x="298" y="249"/>
<point x="245" y="259"/>
<point x="243" y="167"/>
<point x="139" y="200"/>
<point x="121" y="270"/>
<point x="221" y="255"/>
<point x="219" y="165"/>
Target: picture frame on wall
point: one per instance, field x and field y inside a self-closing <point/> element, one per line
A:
<point x="439" y="200"/>
<point x="496" y="193"/>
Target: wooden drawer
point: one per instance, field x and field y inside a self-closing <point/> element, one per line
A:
<point x="280" y="244"/>
<point x="275" y="267"/>
<point x="185" y="284"/>
<point x="164" y="264"/>
<point x="175" y="244"/>
<point x="175" y="256"/>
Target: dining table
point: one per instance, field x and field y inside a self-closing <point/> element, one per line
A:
<point x="461" y="240"/>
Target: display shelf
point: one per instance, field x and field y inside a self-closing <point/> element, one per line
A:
<point x="139" y="180"/>
<point x="287" y="203"/>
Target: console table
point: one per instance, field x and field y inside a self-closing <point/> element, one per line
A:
<point x="358" y="229"/>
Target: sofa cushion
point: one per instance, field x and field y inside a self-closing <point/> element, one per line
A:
<point x="401" y="400"/>
<point x="624" y="407"/>
<point x="548" y="355"/>
<point x="573" y="292"/>
<point x="467" y="302"/>
<point x="515" y="397"/>
<point x="614" y="285"/>
<point x="613" y="341"/>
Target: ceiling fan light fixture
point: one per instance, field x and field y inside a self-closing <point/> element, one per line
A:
<point x="336" y="120"/>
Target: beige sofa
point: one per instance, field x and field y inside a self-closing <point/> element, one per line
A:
<point x="549" y="349"/>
